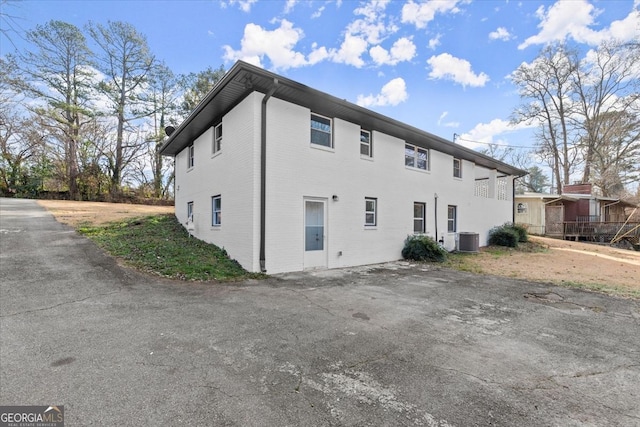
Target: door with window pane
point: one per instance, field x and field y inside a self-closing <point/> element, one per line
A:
<point x="315" y="247"/>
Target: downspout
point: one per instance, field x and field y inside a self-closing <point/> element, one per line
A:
<point x="263" y="174"/>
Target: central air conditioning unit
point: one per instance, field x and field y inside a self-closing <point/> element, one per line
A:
<point x="468" y="242"/>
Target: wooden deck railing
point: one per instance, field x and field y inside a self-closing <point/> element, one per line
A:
<point x="599" y="231"/>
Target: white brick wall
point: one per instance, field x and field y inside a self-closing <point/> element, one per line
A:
<point x="296" y="169"/>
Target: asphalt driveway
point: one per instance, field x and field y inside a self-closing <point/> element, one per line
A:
<point x="393" y="344"/>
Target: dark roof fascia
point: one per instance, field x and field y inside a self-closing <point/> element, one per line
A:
<point x="244" y="78"/>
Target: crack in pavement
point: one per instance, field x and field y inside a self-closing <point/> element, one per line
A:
<point x="34" y="310"/>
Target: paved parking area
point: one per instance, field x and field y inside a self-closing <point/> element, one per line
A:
<point x="393" y="344"/>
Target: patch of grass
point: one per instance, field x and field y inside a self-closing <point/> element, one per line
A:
<point x="602" y="288"/>
<point x="463" y="262"/>
<point x="160" y="245"/>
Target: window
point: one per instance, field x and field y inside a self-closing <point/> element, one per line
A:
<point x="321" y="131"/>
<point x="452" y="219"/>
<point x="457" y="168"/>
<point x="190" y="156"/>
<point x="217" y="139"/>
<point x="418" y="217"/>
<point x="370" y="208"/>
<point x="416" y="157"/>
<point x="190" y="211"/>
<point x="522" y="208"/>
<point x="216" y="210"/>
<point x="365" y="143"/>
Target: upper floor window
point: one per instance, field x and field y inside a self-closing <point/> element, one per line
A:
<point x="457" y="168"/>
<point x="370" y="211"/>
<point x="416" y="157"/>
<point x="366" y="148"/>
<point x="321" y="131"/>
<point x="216" y="210"/>
<point x="419" y="217"/>
<point x="452" y="219"/>
<point x="190" y="156"/>
<point x="217" y="139"/>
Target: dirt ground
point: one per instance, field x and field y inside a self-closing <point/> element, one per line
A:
<point x="562" y="261"/>
<point x="98" y="213"/>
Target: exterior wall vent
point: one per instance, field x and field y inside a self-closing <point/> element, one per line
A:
<point x="468" y="242"/>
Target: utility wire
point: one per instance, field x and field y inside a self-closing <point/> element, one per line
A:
<point x="457" y="137"/>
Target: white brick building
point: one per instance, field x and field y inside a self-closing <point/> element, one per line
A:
<point x="286" y="178"/>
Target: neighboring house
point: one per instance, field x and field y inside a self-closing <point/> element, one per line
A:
<point x="287" y="178"/>
<point x="575" y="214"/>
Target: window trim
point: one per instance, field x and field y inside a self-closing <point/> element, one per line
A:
<point x="191" y="154"/>
<point x="452" y="222"/>
<point x="216" y="144"/>
<point x="312" y="129"/>
<point x="415" y="158"/>
<point x="373" y="212"/>
<point x="423" y="218"/>
<point x="216" y="215"/>
<point x="459" y="169"/>
<point x="368" y="144"/>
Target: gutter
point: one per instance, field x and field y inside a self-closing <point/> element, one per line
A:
<point x="263" y="174"/>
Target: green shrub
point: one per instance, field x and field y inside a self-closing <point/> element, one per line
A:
<point x="423" y="248"/>
<point x="523" y="235"/>
<point x="504" y="236"/>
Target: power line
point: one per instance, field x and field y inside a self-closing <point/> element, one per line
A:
<point x="457" y="137"/>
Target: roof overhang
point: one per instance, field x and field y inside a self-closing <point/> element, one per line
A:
<point x="243" y="79"/>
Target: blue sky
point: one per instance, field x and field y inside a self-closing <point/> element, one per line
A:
<point x="442" y="66"/>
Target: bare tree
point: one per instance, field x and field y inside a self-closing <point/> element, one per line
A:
<point x="607" y="86"/>
<point x="546" y="86"/>
<point x="56" y="72"/>
<point x="165" y="94"/>
<point x="126" y="62"/>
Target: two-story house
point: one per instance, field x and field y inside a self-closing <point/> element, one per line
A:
<point x="287" y="178"/>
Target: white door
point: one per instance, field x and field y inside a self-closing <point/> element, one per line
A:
<point x="315" y="233"/>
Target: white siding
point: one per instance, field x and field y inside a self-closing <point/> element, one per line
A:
<point x="296" y="169"/>
<point x="234" y="174"/>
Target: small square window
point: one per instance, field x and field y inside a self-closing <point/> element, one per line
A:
<point x="217" y="139"/>
<point x="522" y="208"/>
<point x="457" y="168"/>
<point x="365" y="143"/>
<point x="416" y="157"/>
<point x="370" y="212"/>
<point x="321" y="131"/>
<point x="216" y="210"/>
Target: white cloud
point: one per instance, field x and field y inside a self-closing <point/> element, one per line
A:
<point x="350" y="51"/>
<point x="500" y="34"/>
<point x="289" y="5"/>
<point x="420" y="14"/>
<point x="402" y="50"/>
<point x="435" y="42"/>
<point x="573" y="18"/>
<point x="372" y="27"/>
<point x="392" y="93"/>
<point x="447" y="124"/>
<point x="448" y="67"/>
<point x="317" y="13"/>
<point x="244" y="5"/>
<point x="277" y="45"/>
<point x="487" y="133"/>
